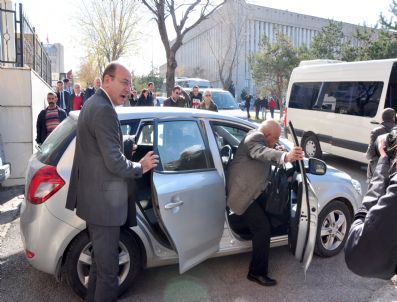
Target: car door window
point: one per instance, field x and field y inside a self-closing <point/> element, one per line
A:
<point x="226" y="134"/>
<point x="181" y="146"/>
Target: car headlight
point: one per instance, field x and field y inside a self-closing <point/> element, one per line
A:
<point x="357" y="186"/>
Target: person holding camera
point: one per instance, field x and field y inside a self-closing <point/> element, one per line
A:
<point x="371" y="246"/>
<point x="388" y="122"/>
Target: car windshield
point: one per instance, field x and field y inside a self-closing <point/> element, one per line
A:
<point x="224" y="100"/>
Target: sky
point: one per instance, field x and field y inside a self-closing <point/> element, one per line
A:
<point x="54" y="19"/>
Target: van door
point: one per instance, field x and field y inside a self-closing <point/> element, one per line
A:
<point x="189" y="194"/>
<point x="303" y="222"/>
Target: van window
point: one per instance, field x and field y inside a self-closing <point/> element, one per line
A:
<point x="56" y="143"/>
<point x="352" y="98"/>
<point x="391" y="96"/>
<point x="304" y="95"/>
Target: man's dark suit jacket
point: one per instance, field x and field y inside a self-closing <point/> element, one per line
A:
<point x="67" y="100"/>
<point x="98" y="184"/>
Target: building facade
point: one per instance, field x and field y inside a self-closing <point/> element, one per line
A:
<point x="228" y="37"/>
<point x="56" y="53"/>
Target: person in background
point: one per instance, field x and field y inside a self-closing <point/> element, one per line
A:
<point x="101" y="198"/>
<point x="63" y="97"/>
<point x="257" y="106"/>
<point x="76" y="99"/>
<point x="175" y="100"/>
<point x="388" y="122"/>
<point x="151" y="97"/>
<point x="248" y="104"/>
<point x="371" y="246"/>
<point x="195" y="97"/>
<point x="272" y="106"/>
<point x="264" y="106"/>
<point x="133" y="99"/>
<point x="143" y="99"/>
<point x="208" y="103"/>
<point x="247" y="179"/>
<point x="68" y="86"/>
<point x="49" y="118"/>
<point x="90" y="91"/>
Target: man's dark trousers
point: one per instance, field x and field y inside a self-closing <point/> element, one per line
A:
<point x="103" y="280"/>
<point x="259" y="225"/>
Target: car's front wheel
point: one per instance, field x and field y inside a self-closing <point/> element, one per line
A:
<point x="78" y="262"/>
<point x="333" y="227"/>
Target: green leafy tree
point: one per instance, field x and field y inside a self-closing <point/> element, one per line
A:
<point x="271" y="67"/>
<point x="389" y="23"/>
<point x="153" y="76"/>
<point x="327" y="44"/>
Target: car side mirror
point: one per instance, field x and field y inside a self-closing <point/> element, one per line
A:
<point x="316" y="167"/>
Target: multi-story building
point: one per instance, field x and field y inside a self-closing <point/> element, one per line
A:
<point x="56" y="53"/>
<point x="229" y="36"/>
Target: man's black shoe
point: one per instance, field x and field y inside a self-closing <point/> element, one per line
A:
<point x="262" y="280"/>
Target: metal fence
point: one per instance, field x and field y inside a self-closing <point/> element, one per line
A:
<point x="19" y="44"/>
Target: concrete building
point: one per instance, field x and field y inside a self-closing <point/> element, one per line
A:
<point x="23" y="96"/>
<point x="56" y="53"/>
<point x="232" y="34"/>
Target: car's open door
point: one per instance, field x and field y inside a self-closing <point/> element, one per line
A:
<point x="303" y="222"/>
<point x="189" y="194"/>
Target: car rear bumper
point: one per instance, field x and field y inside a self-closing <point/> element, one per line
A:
<point x="44" y="235"/>
<point x="5" y="171"/>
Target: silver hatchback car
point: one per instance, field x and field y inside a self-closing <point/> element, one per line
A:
<point x="181" y="206"/>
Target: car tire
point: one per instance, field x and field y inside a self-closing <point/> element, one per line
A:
<point x="333" y="228"/>
<point x="78" y="259"/>
<point x="311" y="146"/>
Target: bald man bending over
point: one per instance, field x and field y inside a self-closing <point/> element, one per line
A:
<point x="247" y="179"/>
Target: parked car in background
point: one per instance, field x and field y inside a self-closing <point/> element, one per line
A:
<point x="5" y="168"/>
<point x="181" y="205"/>
<point x="161" y="100"/>
<point x="225" y="102"/>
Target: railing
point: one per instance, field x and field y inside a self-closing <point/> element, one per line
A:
<point x="19" y="44"/>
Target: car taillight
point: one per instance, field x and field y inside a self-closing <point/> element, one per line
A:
<point x="45" y="183"/>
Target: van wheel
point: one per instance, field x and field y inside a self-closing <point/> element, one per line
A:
<point x="333" y="227"/>
<point x="78" y="262"/>
<point x="311" y="146"/>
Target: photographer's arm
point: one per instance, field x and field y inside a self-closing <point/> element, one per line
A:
<point x="379" y="181"/>
<point x="372" y="242"/>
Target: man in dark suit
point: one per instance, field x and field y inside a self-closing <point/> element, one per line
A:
<point x="247" y="179"/>
<point x="63" y="97"/>
<point x="98" y="184"/>
<point x="175" y="100"/>
<point x="90" y="91"/>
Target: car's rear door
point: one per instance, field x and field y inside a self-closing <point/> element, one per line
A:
<point x="303" y="222"/>
<point x="189" y="193"/>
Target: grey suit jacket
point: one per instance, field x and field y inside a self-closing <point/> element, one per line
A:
<point x="98" y="183"/>
<point x="249" y="172"/>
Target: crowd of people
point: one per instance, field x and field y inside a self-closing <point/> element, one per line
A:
<point x="67" y="98"/>
<point x="262" y="105"/>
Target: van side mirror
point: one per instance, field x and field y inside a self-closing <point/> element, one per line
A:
<point x="316" y="167"/>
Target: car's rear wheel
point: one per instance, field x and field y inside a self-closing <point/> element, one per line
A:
<point x="333" y="227"/>
<point x="78" y="262"/>
<point x="311" y="146"/>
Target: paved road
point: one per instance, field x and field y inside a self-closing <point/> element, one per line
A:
<point x="220" y="279"/>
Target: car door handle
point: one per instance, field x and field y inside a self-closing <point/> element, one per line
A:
<point x="375" y="122"/>
<point x="172" y="205"/>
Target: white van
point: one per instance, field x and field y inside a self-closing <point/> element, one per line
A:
<point x="334" y="105"/>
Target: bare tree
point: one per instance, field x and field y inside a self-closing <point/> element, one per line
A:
<point x="226" y="49"/>
<point x="196" y="10"/>
<point x="109" y="28"/>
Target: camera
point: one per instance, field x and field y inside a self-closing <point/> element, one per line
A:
<point x="390" y="143"/>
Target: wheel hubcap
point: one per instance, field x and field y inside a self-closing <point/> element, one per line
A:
<point x="85" y="261"/>
<point x="310" y="148"/>
<point x="333" y="230"/>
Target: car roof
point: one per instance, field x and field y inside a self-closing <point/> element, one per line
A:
<point x="129" y="113"/>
